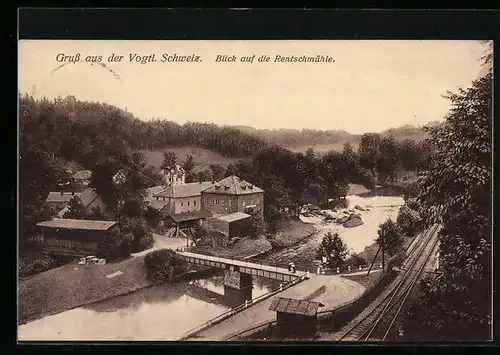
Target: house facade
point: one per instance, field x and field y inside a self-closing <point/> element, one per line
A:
<point x="177" y="199"/>
<point x="231" y="195"/>
<point x="59" y="201"/>
<point x="225" y="206"/>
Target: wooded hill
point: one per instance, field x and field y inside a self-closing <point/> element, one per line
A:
<point x="328" y="139"/>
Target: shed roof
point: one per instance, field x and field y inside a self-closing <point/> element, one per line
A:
<point x="233" y="185"/>
<point x="151" y="191"/>
<point x="184" y="190"/>
<point x="236" y="216"/>
<point x="289" y="305"/>
<point x="191" y="216"/>
<point x="64" y="223"/>
<point x="158" y="204"/>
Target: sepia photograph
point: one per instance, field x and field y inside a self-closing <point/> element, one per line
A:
<point x="255" y="190"/>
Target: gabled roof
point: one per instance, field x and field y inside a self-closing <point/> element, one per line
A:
<point x="58" y="197"/>
<point x="88" y="196"/>
<point x="233" y="185"/>
<point x="288" y="305"/>
<point x="64" y="223"/>
<point x="232" y="217"/>
<point x="190" y="216"/>
<point x="184" y="190"/>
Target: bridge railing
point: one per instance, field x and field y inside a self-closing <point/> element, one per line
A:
<point x="241" y="307"/>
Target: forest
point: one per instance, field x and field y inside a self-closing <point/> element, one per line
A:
<point x="105" y="139"/>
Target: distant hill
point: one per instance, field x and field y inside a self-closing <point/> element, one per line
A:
<point x="326" y="140"/>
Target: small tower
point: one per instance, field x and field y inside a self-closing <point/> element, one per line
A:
<point x="173" y="176"/>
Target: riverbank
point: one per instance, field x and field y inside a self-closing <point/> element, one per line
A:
<point x="74" y="285"/>
<point x="290" y="233"/>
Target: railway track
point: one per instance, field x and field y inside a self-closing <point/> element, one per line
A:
<point x="376" y="321"/>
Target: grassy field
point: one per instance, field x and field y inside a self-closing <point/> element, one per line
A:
<point x="202" y="157"/>
<point x="74" y="285"/>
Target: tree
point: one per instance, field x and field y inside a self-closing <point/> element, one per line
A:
<point x="115" y="244"/>
<point x="389" y="237"/>
<point x="388" y="161"/>
<point x="409" y="221"/>
<point x="456" y="193"/>
<point x="76" y="208"/>
<point x="188" y="167"/>
<point x="230" y="170"/>
<point x="334" y="250"/>
<point x="204" y="175"/>
<point x="369" y="151"/>
<point x="409" y="154"/>
<point x="351" y="159"/>
<point x="217" y="172"/>
<point x="143" y="236"/>
<point x="152" y="216"/>
<point x="133" y="208"/>
<point x="96" y="214"/>
<point x="335" y="173"/>
<point x="255" y="226"/>
<point x="102" y="179"/>
<point x="161" y="264"/>
<point x="169" y="160"/>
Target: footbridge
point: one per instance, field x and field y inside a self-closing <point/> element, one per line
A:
<point x="238" y="274"/>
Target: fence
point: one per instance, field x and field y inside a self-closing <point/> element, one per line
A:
<point x="241" y="307"/>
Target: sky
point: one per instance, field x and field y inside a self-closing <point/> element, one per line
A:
<point x="369" y="86"/>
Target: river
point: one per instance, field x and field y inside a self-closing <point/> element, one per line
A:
<point x="166" y="312"/>
<point x="163" y="312"/>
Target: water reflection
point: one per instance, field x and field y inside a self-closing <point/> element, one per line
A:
<point x="162" y="312"/>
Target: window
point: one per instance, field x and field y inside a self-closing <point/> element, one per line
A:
<point x="229" y="203"/>
<point x="188" y="203"/>
<point x="243" y="203"/>
<point x="194" y="202"/>
<point x="182" y="204"/>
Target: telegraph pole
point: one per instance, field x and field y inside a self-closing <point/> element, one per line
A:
<point x="383" y="252"/>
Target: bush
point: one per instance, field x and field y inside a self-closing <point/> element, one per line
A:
<point x="143" y="237"/>
<point x="115" y="245"/>
<point x="355" y="261"/>
<point x="409" y="220"/>
<point x="152" y="216"/>
<point x="35" y="265"/>
<point x="164" y="264"/>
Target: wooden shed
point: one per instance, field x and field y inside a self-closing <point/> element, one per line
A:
<point x="295" y="318"/>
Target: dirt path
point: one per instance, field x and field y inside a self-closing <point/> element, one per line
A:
<point x="335" y="291"/>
